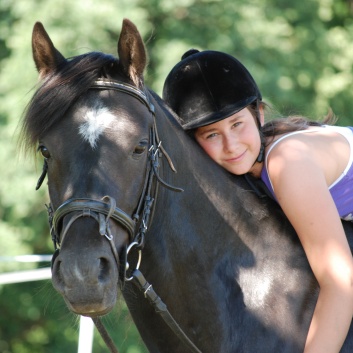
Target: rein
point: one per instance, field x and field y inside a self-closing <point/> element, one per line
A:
<point x="105" y="209"/>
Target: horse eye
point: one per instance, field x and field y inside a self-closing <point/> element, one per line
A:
<point x="141" y="147"/>
<point x="44" y="151"/>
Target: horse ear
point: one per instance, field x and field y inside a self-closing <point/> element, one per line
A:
<point x="132" y="52"/>
<point x="46" y="57"/>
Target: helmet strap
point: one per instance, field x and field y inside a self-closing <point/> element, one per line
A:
<point x="260" y="157"/>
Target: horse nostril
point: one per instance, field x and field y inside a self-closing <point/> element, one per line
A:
<point x="56" y="269"/>
<point x="103" y="269"/>
<point x="57" y="278"/>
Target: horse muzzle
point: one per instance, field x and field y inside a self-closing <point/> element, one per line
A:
<point x="89" y="280"/>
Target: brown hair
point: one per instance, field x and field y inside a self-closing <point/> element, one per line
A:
<point x="286" y="124"/>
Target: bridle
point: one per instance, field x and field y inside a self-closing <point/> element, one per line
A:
<point x="105" y="210"/>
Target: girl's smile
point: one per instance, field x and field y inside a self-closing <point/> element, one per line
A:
<point x="236" y="159"/>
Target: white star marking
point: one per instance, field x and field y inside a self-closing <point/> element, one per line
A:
<point x="96" y="121"/>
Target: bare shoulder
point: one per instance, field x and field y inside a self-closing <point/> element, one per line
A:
<point x="296" y="170"/>
<point x="328" y="151"/>
<point x="290" y="156"/>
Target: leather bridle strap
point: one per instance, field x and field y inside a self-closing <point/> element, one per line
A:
<point x="125" y="88"/>
<point x="161" y="309"/>
<point x="85" y="207"/>
<point x="104" y="334"/>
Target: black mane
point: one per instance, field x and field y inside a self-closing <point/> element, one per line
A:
<point x="60" y="91"/>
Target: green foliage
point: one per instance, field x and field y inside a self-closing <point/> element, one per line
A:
<point x="37" y="320"/>
<point x="300" y="53"/>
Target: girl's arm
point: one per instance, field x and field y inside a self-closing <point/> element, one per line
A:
<point x="301" y="189"/>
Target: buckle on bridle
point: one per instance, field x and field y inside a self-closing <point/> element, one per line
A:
<point x="127" y="265"/>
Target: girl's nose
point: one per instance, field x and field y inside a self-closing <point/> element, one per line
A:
<point x="229" y="143"/>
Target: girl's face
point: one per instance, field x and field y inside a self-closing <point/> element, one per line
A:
<point x="234" y="142"/>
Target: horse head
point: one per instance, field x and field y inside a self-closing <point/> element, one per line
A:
<point x="92" y="145"/>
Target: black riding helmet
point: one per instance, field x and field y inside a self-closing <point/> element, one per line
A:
<point x="208" y="86"/>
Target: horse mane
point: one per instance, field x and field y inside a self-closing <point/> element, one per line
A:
<point x="60" y="90"/>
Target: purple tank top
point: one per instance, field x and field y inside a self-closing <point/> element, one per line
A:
<point x="342" y="189"/>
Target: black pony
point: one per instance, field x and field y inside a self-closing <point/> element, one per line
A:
<point x="227" y="264"/>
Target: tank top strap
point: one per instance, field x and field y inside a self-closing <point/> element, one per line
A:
<point x="285" y="136"/>
<point x="264" y="174"/>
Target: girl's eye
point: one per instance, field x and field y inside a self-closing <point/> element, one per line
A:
<point x="236" y="124"/>
<point x="210" y="136"/>
<point x="44" y="151"/>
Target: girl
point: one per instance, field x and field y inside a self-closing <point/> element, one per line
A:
<point x="307" y="166"/>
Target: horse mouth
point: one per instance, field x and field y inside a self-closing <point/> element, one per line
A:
<point x="90" y="309"/>
<point x="89" y="288"/>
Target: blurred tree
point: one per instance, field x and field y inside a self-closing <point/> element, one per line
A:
<point x="300" y="53"/>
